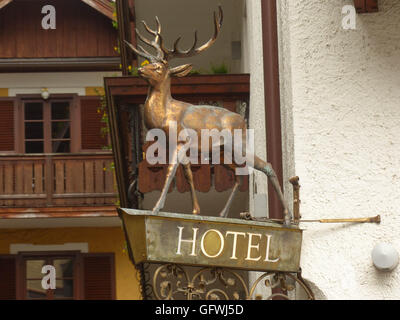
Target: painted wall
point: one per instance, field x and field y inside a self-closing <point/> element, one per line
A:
<point x="340" y="105"/>
<point x="98" y="239"/>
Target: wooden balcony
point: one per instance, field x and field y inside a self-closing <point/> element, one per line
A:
<point x="57" y="180"/>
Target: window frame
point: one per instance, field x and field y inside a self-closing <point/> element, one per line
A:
<point x="75" y="128"/>
<point x="79" y="269"/>
<point x="22" y="257"/>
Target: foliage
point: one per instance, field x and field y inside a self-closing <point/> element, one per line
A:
<point x="115" y="23"/>
<point x="105" y="130"/>
<point x="219" y="69"/>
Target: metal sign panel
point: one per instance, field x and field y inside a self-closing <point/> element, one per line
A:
<point x="211" y="241"/>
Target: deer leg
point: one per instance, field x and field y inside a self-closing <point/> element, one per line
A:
<point x="267" y="169"/>
<point x="170" y="176"/>
<point x="225" y="211"/>
<point x="189" y="177"/>
<point x="227" y="152"/>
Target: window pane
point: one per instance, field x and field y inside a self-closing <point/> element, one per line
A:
<point x="34" y="130"/>
<point x="34" y="147"/>
<point x="60" y="130"/>
<point x="33" y="111"/>
<point x="61" y="146"/>
<point x="59" y="110"/>
<point x="34" y="289"/>
<point x="34" y="269"/>
<point x="64" y="289"/>
<point x="64" y="268"/>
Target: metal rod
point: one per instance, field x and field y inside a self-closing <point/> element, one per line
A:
<point x="376" y="219"/>
<point x="296" y="199"/>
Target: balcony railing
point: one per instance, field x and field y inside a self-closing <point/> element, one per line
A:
<point x="52" y="180"/>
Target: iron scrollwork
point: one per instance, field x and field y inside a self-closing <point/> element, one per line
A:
<point x="173" y="282"/>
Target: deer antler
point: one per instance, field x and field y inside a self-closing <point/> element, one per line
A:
<point x="155" y="43"/>
<point x="176" y="53"/>
<point x="164" y="54"/>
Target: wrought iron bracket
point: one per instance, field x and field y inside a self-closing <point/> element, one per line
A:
<point x="174" y="282"/>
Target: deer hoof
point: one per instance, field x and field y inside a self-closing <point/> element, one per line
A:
<point x="223" y="214"/>
<point x="287" y="217"/>
<point x="156" y="210"/>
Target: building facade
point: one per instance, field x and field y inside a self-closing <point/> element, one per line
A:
<point x="58" y="195"/>
<point x="323" y="95"/>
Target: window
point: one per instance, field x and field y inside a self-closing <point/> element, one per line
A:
<point x="65" y="275"/>
<point x="47" y="126"/>
<point x="78" y="276"/>
<point x="62" y="124"/>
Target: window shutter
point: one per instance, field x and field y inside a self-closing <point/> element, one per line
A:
<point x="91" y="125"/>
<point x="6" y="125"/>
<point x="98" y="276"/>
<point x="8" y="285"/>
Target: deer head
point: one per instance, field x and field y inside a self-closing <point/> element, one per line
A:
<point x="158" y="70"/>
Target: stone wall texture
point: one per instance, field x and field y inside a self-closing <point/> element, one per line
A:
<point x="341" y="112"/>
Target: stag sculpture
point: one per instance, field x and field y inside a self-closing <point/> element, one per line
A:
<point x="161" y="110"/>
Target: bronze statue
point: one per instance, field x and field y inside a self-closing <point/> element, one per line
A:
<point x="161" y="109"/>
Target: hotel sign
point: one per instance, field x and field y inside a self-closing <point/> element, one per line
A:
<point x="209" y="241"/>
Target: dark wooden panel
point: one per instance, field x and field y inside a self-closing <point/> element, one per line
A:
<point x="99" y="277"/>
<point x="81" y="31"/>
<point x="181" y="183"/>
<point x="366" y="6"/>
<point x="7" y="30"/>
<point x="224" y="179"/>
<point x="6" y="125"/>
<point x="151" y="177"/>
<point x="91" y="125"/>
<point x="8" y="278"/>
<point x="202" y="177"/>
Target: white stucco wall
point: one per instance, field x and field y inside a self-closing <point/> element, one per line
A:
<point x="341" y="116"/>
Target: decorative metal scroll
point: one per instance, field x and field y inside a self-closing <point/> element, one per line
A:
<point x="174" y="282"/>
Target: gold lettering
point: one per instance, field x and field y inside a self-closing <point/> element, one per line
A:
<point x="267" y="259"/>
<point x="222" y="243"/>
<point x="193" y="241"/>
<point x="253" y="246"/>
<point x="235" y="236"/>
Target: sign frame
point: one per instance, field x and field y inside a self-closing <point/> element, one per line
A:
<point x="205" y="241"/>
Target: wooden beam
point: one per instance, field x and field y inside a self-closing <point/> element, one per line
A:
<point x="59" y="64"/>
<point x="366" y="6"/>
<point x="103" y="6"/>
<point x="272" y="101"/>
<point x="58" y="212"/>
<point x="126" y="32"/>
<point x="229" y="84"/>
<point x="3" y="3"/>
